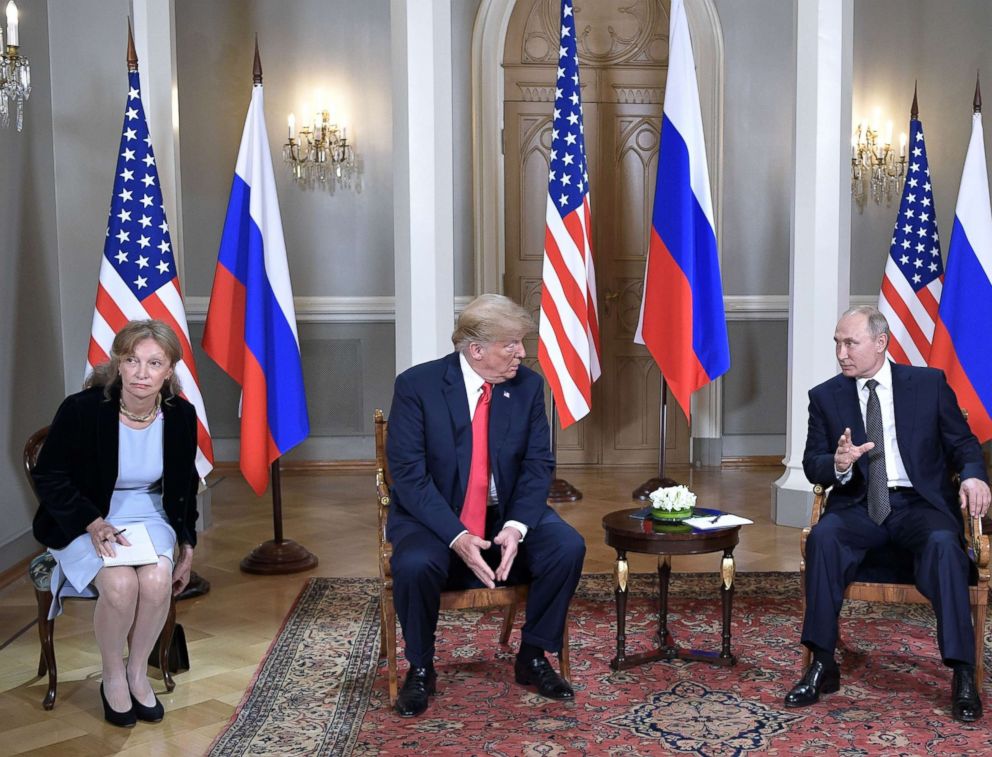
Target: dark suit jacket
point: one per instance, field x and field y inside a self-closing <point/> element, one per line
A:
<point x="78" y="465"/>
<point x="933" y="437"/>
<point x="429" y="449"/>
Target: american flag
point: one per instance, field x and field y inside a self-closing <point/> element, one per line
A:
<point x="914" y="271"/>
<point x="138" y="277"/>
<point x="568" y="347"/>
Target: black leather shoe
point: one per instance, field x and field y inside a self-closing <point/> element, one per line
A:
<point x="965" y="704"/>
<point x="420" y="683"/>
<point x="151" y="714"/>
<point x="125" y="719"/>
<point x="818" y="679"/>
<point x="538" y="672"/>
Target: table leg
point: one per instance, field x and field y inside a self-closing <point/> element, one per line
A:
<point x="621" y="575"/>
<point x="664" y="574"/>
<point x="727" y="570"/>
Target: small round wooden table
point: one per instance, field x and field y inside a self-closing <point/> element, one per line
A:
<point x="626" y="534"/>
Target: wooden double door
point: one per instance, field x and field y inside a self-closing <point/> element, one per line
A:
<point x="623" y="60"/>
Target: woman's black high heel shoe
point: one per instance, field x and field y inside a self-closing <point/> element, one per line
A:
<point x="125" y="719"/>
<point x="151" y="714"/>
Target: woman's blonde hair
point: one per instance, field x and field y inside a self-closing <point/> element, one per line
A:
<point x="108" y="375"/>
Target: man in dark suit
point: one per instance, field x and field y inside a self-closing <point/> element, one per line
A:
<point x="888" y="438"/>
<point x="470" y="456"/>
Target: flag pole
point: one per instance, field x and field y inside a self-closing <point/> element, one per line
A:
<point x="643" y="492"/>
<point x="561" y="490"/>
<point x="277" y="556"/>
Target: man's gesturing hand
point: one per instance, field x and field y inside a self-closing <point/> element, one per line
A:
<point x="469" y="548"/>
<point x="847" y="454"/>
<point x="508" y="539"/>
<point x="975" y="497"/>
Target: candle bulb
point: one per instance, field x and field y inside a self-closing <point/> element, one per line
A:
<point x="292" y="125"/>
<point x="902" y="145"/>
<point x="12" y="37"/>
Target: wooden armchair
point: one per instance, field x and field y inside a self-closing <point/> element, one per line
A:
<point x="507" y="597"/>
<point x="40" y="572"/>
<point x="887" y="576"/>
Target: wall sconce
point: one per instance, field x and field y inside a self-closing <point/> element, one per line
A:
<point x="876" y="171"/>
<point x="319" y="154"/>
<point x="15" y="72"/>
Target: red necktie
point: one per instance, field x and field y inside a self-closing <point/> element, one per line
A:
<point x="477" y="493"/>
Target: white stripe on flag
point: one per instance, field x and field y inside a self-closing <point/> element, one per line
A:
<point x="974" y="210"/>
<point x="682" y="106"/>
<point x="255" y="167"/>
<point x="574" y="401"/>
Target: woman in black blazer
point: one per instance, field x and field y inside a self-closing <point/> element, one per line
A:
<point x="119" y="453"/>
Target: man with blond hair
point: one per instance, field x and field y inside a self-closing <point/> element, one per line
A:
<point x="470" y="457"/>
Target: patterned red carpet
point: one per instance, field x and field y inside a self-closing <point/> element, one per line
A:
<point x="319" y="689"/>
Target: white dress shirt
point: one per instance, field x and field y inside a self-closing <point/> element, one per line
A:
<point x="473" y="391"/>
<point x="895" y="469"/>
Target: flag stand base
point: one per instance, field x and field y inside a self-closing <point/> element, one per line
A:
<point x="643" y="492"/>
<point x="278" y="557"/>
<point x="562" y="491"/>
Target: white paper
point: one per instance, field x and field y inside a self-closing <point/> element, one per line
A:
<point x="141" y="551"/>
<point x="724" y="521"/>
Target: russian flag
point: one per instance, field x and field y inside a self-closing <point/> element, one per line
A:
<point x="964" y="320"/>
<point x="682" y="321"/>
<point x="251" y="322"/>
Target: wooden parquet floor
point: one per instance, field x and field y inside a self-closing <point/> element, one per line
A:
<point x="229" y="629"/>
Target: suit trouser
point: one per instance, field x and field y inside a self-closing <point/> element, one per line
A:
<point x="837" y="545"/>
<point x="549" y="558"/>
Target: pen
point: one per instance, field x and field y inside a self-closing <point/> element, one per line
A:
<point x="716" y="517"/>
<point x="118" y="533"/>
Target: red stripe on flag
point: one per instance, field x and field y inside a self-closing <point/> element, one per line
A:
<point x="944" y="356"/>
<point x="564" y="416"/>
<point x="897" y="352"/>
<point x="929" y="302"/>
<point x="96" y="355"/>
<point x="573" y="362"/>
<point x="667" y="326"/>
<point x="570" y="287"/>
<point x="593" y="315"/>
<point x="224" y="332"/>
<point x="157" y="309"/>
<point x="258" y="449"/>
<point x="107" y="307"/>
<point x="906" y="316"/>
<point x="203" y="440"/>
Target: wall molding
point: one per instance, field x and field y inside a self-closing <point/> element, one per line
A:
<point x="761" y="307"/>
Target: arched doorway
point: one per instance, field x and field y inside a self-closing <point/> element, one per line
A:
<point x="623" y="52"/>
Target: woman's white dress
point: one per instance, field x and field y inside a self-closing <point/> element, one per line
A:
<point x="137" y="498"/>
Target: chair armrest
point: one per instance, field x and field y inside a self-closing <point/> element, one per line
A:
<point x="978" y="542"/>
<point x="819" y="503"/>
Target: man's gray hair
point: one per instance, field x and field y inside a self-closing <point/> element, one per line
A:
<point x="876" y="321"/>
<point x="491" y="318"/>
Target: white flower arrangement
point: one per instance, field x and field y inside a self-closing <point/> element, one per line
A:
<point x="673" y="499"/>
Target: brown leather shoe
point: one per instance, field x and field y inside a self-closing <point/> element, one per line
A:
<point x="818" y="679"/>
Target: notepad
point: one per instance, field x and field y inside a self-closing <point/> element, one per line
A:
<point x="726" y="520"/>
<point x="141" y="551"/>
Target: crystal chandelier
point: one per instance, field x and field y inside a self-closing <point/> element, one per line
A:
<point x="876" y="171"/>
<point x="15" y="72"/>
<point x="319" y="155"/>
